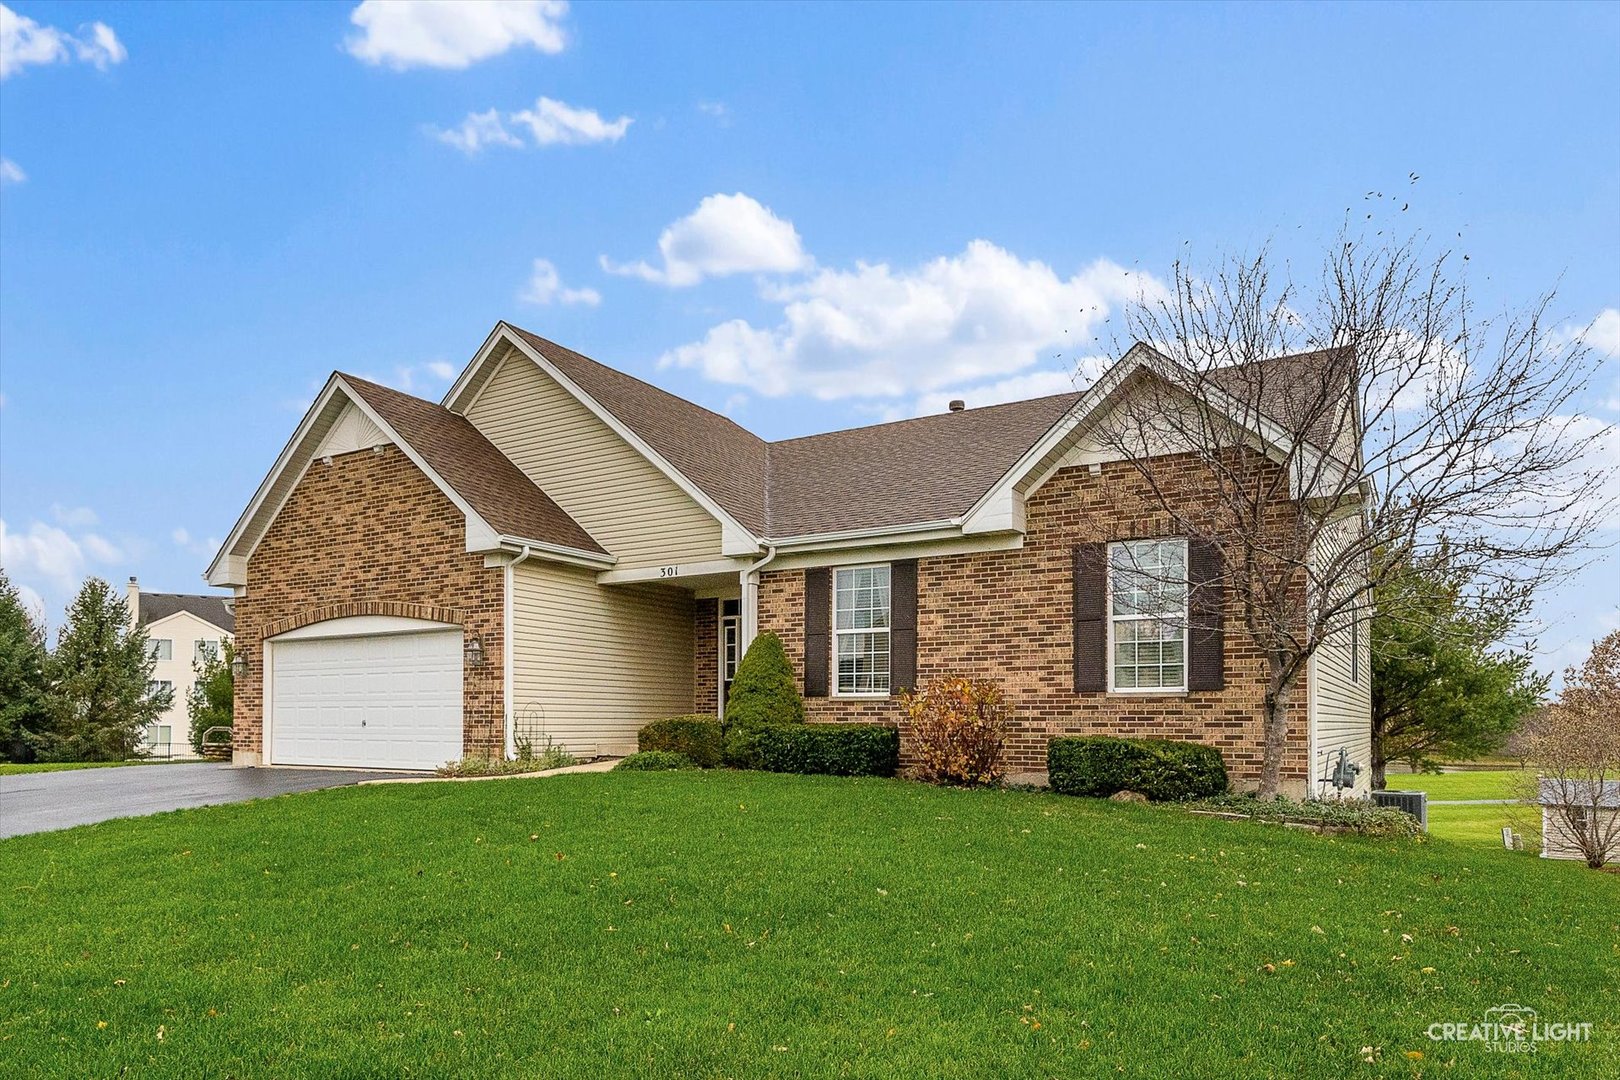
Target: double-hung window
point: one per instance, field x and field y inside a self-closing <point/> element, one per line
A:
<point x="205" y="651"/>
<point x="861" y="629"/>
<point x="160" y="648"/>
<point x="1147" y="614"/>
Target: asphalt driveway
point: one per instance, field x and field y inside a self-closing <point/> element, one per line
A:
<point x="40" y="802"/>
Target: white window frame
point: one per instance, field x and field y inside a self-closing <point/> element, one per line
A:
<point x="887" y="630"/>
<point x="154" y="648"/>
<point x="205" y="643"/>
<point x="1113" y="620"/>
<point x="157" y="686"/>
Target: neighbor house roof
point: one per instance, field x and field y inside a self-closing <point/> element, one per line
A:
<point x="496" y="489"/>
<point x="160" y="605"/>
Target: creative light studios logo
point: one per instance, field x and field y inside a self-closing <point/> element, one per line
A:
<point x="1511" y="1029"/>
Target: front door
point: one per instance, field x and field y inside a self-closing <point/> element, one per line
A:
<point x="730" y="639"/>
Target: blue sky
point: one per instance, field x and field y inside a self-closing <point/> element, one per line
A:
<point x="207" y="208"/>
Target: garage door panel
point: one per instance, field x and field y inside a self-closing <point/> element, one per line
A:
<point x="385" y="701"/>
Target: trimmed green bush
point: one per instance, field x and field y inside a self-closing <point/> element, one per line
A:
<point x="741" y="749"/>
<point x="830" y="749"/>
<point x="655" y="761"/>
<point x="764" y="690"/>
<point x="1358" y="815"/>
<point x="697" y="736"/>
<point x="1165" y="770"/>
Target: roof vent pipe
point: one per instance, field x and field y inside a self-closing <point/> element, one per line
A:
<point x="958" y="405"/>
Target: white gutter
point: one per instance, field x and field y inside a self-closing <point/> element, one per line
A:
<point x="506" y="654"/>
<point x="749" y="607"/>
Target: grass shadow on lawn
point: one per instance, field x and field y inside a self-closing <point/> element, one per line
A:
<point x="720" y="923"/>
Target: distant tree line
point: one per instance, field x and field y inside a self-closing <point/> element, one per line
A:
<point x="91" y="697"/>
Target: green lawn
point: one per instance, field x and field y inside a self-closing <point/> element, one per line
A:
<point x="1480" y="826"/>
<point x="715" y="924"/>
<point x="10" y="769"/>
<point x="1479" y="784"/>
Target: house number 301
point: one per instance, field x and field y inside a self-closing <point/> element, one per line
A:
<point x="669" y="571"/>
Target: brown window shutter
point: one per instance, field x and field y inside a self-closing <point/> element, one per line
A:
<point x="1090" y="626"/>
<point x="902" y="626"/>
<point x="817" y="630"/>
<point x="1206" y="609"/>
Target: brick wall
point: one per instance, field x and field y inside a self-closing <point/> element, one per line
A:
<point x="706" y="637"/>
<point x="369" y="534"/>
<point x="1008" y="616"/>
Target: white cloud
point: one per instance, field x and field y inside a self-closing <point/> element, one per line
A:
<point x="726" y="234"/>
<point x="549" y="123"/>
<point x="717" y="109"/>
<point x="181" y="536"/>
<point x="476" y="132"/>
<point x="53" y="555"/>
<point x="431" y="375"/>
<point x="556" y="124"/>
<point x="546" y="287"/>
<point x="24" y="41"/>
<point x="74" y="516"/>
<point x="1603" y="335"/>
<point x="183" y="539"/>
<point x="11" y="172"/>
<point x="968" y="322"/>
<point x="101" y="549"/>
<point x="453" y="33"/>
<point x="1031" y="384"/>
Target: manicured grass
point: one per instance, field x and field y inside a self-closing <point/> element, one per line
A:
<point x="730" y="924"/>
<point x="1481" y="784"/>
<point x="12" y="769"/>
<point x="1482" y="826"/>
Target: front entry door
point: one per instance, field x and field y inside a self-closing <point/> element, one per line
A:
<point x="730" y="639"/>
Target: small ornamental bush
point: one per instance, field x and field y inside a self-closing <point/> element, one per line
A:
<point x="697" y="736"/>
<point x="655" y="761"/>
<point x="764" y="690"/>
<point x="959" y="729"/>
<point x="527" y="760"/>
<point x="1165" y="770"/>
<point x="829" y="749"/>
<point x="1357" y="815"/>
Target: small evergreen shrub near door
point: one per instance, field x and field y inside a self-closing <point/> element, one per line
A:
<point x="697" y="736"/>
<point x="1165" y="770"/>
<point x="829" y="749"/>
<point x="764" y="690"/>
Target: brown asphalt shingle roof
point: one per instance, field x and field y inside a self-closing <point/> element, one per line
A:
<point x="724" y="459"/>
<point x="209" y="608"/>
<point x="931" y="468"/>
<point x="1305" y="391"/>
<point x="494" y="487"/>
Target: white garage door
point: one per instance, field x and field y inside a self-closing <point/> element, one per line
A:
<point x="386" y="701"/>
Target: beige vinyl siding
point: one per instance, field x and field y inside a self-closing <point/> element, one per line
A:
<point x="1341" y="696"/>
<point x="620" y="497"/>
<point x="597" y="662"/>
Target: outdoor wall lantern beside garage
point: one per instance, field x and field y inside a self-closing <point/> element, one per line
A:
<point x="474" y="651"/>
<point x="239" y="666"/>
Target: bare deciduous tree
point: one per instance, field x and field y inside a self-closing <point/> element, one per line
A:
<point x="1341" y="430"/>
<point x="1574" y="747"/>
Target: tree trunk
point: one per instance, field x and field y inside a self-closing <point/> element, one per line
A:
<point x="1279" y="689"/>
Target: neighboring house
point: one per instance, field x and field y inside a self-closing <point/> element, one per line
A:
<point x="561" y="551"/>
<point x="1596" y="810"/>
<point x="179" y="627"/>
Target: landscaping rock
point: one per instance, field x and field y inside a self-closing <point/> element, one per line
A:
<point x="1127" y="796"/>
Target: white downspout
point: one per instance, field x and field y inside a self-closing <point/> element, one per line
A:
<point x="749" y="608"/>
<point x="506" y="656"/>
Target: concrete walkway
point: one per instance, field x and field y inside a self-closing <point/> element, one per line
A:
<point x="590" y="766"/>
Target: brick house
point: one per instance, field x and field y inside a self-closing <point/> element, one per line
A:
<point x="559" y="551"/>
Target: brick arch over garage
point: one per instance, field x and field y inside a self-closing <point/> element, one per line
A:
<point x="327" y="612"/>
<point x="367" y="534"/>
